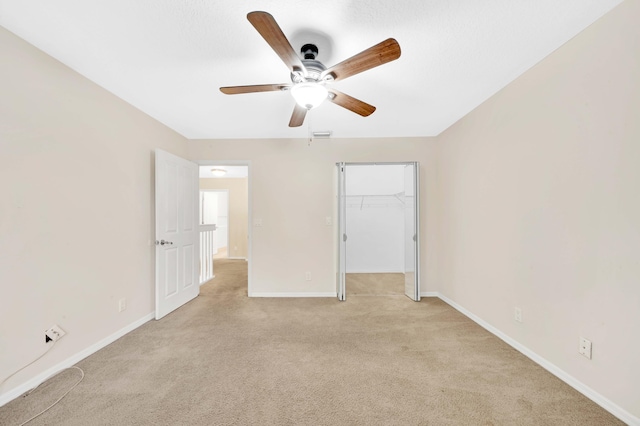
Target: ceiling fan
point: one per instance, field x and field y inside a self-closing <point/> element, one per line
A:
<point x="309" y="77"/>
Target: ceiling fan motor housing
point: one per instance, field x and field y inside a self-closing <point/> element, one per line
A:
<point x="313" y="67"/>
<point x="309" y="51"/>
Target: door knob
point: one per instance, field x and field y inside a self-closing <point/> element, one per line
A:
<point x="163" y="242"/>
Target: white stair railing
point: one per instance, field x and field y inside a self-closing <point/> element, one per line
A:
<point x="207" y="250"/>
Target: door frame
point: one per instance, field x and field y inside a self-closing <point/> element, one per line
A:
<point x="246" y="163"/>
<point x="341" y="223"/>
<point x="416" y="165"/>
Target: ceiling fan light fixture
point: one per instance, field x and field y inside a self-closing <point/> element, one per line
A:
<point x="218" y="172"/>
<point x="309" y="75"/>
<point x="309" y="94"/>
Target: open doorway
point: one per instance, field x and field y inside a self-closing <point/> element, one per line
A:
<point x="378" y="230"/>
<point x="224" y="216"/>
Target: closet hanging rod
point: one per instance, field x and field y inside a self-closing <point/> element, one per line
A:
<point x="396" y="195"/>
<point x="383" y="163"/>
<point x="371" y="206"/>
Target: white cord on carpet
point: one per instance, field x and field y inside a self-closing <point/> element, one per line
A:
<point x="59" y="399"/>
<point x="17" y="371"/>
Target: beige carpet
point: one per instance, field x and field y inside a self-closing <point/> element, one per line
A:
<point x="374" y="284"/>
<point x="366" y="361"/>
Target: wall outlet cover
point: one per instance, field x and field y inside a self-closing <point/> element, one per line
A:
<point x="53" y="334"/>
<point x="585" y="347"/>
<point x="517" y="314"/>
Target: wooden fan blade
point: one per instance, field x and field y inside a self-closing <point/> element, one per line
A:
<point x="271" y="32"/>
<point x="381" y="53"/>
<point x="351" y="103"/>
<point x="297" y="118"/>
<point x="236" y="90"/>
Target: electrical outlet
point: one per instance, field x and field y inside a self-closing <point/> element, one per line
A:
<point x="517" y="314"/>
<point x="585" y="347"/>
<point x="122" y="304"/>
<point x="307" y="276"/>
<point x="53" y="334"/>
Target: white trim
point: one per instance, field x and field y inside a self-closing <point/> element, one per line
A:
<point x="72" y="360"/>
<point x="204" y="282"/>
<point x="236" y="258"/>
<point x="602" y="401"/>
<point x="429" y="294"/>
<point x="304" y="294"/>
<point x="374" y="272"/>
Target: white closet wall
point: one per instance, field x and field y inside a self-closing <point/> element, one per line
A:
<point x="375" y="218"/>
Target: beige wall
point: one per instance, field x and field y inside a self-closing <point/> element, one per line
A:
<point x="76" y="215"/>
<point x="293" y="191"/>
<point x="539" y="195"/>
<point x="238" y="212"/>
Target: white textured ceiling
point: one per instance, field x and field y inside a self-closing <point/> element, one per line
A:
<point x="169" y="57"/>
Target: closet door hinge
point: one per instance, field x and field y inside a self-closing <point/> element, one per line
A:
<point x="344" y="237"/>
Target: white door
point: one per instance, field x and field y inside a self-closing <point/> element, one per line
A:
<point x="411" y="232"/>
<point x="342" y="233"/>
<point x="177" y="240"/>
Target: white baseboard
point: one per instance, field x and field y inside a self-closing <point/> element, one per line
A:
<point x="204" y="282"/>
<point x="602" y="401"/>
<point x="429" y="294"/>
<point x="305" y="294"/>
<point x="375" y="272"/>
<point x="72" y="360"/>
<point x="237" y="258"/>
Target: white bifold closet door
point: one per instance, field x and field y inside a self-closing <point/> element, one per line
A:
<point x="411" y="228"/>
<point x="341" y="275"/>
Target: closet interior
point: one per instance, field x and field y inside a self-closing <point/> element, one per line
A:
<point x="378" y="226"/>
